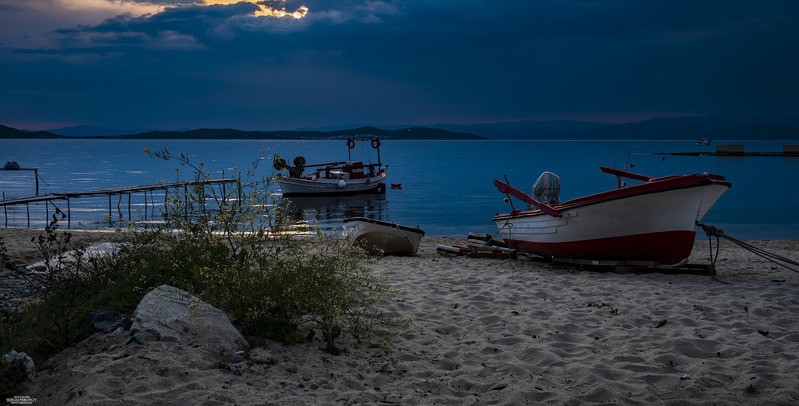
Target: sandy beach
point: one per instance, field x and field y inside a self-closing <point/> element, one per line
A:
<point x="488" y="331"/>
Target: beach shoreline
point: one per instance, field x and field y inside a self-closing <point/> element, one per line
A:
<point x="489" y="331"/>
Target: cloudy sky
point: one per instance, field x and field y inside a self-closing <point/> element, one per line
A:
<point x="268" y="65"/>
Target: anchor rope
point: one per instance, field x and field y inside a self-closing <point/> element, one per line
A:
<point x="712" y="231"/>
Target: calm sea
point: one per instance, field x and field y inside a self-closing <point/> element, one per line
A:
<point x="447" y="186"/>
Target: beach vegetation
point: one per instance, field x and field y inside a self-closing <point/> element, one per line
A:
<point x="237" y="250"/>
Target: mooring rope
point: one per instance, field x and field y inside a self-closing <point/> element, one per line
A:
<point x="712" y="231"/>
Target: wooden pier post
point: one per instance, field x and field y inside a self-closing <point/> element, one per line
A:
<point x="119" y="207"/>
<point x="224" y="195"/>
<point x="238" y="191"/>
<point x="186" y="201"/>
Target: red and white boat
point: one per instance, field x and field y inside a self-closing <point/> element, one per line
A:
<point x="332" y="178"/>
<point x="654" y="221"/>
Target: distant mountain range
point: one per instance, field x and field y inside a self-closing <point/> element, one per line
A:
<point x="689" y="128"/>
<point x="411" y="133"/>
<point x="667" y="128"/>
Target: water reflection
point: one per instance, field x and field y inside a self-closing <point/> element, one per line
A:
<point x="329" y="211"/>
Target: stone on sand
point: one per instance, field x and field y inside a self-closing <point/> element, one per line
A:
<point x="172" y="314"/>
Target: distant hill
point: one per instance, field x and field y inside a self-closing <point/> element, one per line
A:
<point x="728" y="128"/>
<point x="8" y="132"/>
<point x="665" y="128"/>
<point x="414" y="133"/>
<point x="91" y="131"/>
<point x="528" y="129"/>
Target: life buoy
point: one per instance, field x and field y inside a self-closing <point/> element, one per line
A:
<point x="375" y="143"/>
<point x="351" y="143"/>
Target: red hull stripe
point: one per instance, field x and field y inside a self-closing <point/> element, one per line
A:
<point x="668" y="247"/>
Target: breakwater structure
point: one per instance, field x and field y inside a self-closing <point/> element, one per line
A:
<point x="55" y="200"/>
<point x="737" y="150"/>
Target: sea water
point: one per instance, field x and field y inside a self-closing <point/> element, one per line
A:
<point x="447" y="187"/>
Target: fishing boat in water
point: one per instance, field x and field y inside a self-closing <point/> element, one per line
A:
<point x="653" y="221"/>
<point x="332" y="178"/>
<point x="702" y="142"/>
<point x="382" y="237"/>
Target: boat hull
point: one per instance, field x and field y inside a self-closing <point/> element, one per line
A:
<point x="655" y="221"/>
<point x="382" y="237"/>
<point x="332" y="187"/>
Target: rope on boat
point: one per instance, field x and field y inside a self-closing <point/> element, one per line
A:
<point x="712" y="231"/>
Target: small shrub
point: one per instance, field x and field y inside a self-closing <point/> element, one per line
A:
<point x="239" y="254"/>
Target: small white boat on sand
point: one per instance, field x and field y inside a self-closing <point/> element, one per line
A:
<point x="382" y="237"/>
<point x="654" y="221"/>
<point x="332" y="178"/>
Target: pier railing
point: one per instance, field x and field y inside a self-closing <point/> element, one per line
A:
<point x="52" y="198"/>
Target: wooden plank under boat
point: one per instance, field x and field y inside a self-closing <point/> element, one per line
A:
<point x="382" y="237"/>
<point x="476" y="251"/>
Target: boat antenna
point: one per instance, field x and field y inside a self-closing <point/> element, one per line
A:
<point x="376" y="145"/>
<point x="507" y="196"/>
<point x="350" y="146"/>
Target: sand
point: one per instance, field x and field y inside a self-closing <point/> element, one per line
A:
<point x="486" y="331"/>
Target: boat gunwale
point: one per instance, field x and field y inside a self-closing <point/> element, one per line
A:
<point x="384" y="223"/>
<point x="656" y="185"/>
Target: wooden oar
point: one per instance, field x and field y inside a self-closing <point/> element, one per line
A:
<point x="508" y="189"/>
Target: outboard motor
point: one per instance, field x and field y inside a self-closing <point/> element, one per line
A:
<point x="547" y="188"/>
<point x="299" y="166"/>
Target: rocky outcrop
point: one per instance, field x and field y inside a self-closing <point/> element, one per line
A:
<point x="171" y="314"/>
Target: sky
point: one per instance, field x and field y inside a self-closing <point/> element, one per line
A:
<point x="277" y="65"/>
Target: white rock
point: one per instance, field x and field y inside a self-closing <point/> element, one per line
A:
<point x="172" y="314"/>
<point x="27" y="362"/>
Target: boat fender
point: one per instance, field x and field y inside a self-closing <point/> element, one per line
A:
<point x="375" y="143"/>
<point x="314" y="176"/>
<point x="342" y="184"/>
<point x="350" y="143"/>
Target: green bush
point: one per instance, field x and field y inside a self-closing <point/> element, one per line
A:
<point x="239" y="254"/>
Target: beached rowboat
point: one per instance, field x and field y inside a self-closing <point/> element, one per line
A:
<point x="651" y="221"/>
<point x="382" y="237"/>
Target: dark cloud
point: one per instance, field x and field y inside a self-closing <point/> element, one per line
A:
<point x="411" y="62"/>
